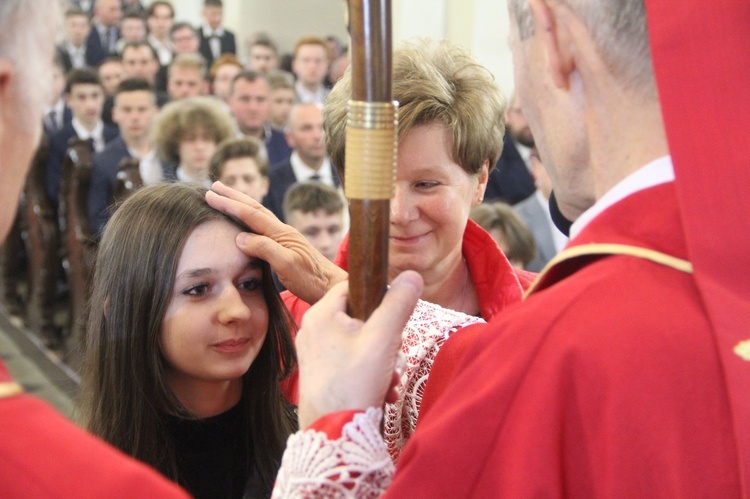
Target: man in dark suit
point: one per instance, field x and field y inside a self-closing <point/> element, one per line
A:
<point x="57" y="114"/>
<point x="84" y="95"/>
<point x="71" y="52"/>
<point x="249" y="103"/>
<point x="511" y="180"/>
<point x="134" y="111"/>
<point x="214" y="38"/>
<point x="105" y="31"/>
<point x="308" y="160"/>
<point x="139" y="60"/>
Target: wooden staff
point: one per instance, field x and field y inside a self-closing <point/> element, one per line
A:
<point x="370" y="153"/>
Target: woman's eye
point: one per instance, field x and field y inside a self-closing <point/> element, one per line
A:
<point x="425" y="185"/>
<point x="251" y="284"/>
<point x="197" y="290"/>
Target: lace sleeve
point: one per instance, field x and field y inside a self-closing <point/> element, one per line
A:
<point x="360" y="463"/>
<point x="357" y="465"/>
<point x="428" y="328"/>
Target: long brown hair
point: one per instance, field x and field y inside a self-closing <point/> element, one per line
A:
<point x="125" y="393"/>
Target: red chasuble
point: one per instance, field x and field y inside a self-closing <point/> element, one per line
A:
<point x="44" y="455"/>
<point x="604" y="383"/>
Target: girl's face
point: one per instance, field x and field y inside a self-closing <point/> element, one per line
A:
<point x="217" y="317"/>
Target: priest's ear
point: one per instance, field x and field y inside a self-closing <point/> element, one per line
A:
<point x="551" y="22"/>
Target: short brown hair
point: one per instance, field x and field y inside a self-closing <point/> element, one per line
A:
<point x="151" y="10"/>
<point x="248" y="75"/>
<point x="279" y="78"/>
<point x="311" y="196"/>
<point x="521" y="245"/>
<point x="434" y="82"/>
<point x="247" y="147"/>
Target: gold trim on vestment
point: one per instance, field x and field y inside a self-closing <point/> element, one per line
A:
<point x="743" y="350"/>
<point x="10" y="389"/>
<point x="613" y="249"/>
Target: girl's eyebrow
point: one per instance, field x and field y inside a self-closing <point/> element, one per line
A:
<point x="252" y="263"/>
<point x="191" y="273"/>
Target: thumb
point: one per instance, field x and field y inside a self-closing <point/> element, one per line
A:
<point x="388" y="320"/>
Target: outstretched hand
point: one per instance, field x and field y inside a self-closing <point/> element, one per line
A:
<point x="301" y="268"/>
<point x="347" y="364"/>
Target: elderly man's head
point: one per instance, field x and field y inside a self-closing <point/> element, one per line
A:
<point x="616" y="31"/>
<point x="26" y="51"/>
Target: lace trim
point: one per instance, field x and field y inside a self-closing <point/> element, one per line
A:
<point x="360" y="463"/>
<point x="357" y="465"/>
<point x="428" y="328"/>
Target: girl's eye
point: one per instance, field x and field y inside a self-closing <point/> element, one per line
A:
<point x="251" y="284"/>
<point x="197" y="290"/>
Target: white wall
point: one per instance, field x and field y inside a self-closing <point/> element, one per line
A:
<point x="480" y="26"/>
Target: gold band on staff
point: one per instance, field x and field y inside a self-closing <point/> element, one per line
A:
<point x="371" y="149"/>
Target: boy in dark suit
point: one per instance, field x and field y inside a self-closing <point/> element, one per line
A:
<point x="84" y="95"/>
<point x="215" y="39"/>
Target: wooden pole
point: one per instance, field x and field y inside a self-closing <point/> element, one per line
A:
<point x="370" y="153"/>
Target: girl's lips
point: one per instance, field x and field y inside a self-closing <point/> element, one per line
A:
<point x="232" y="345"/>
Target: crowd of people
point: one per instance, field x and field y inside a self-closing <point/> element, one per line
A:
<point x="218" y="358"/>
<point x="141" y="86"/>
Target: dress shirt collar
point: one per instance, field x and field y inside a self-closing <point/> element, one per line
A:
<point x="96" y="135"/>
<point x="149" y="166"/>
<point x="302" y="172"/>
<point x="524" y="152"/>
<point x="184" y="177"/>
<point x="659" y="171"/>
<point x="208" y="31"/>
<point x="306" y="97"/>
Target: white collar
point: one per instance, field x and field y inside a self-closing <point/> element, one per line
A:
<point x="84" y="134"/>
<point x="72" y="49"/>
<point x="659" y="171"/>
<point x="208" y="30"/>
<point x="307" y="97"/>
<point x="524" y="152"/>
<point x="183" y="176"/>
<point x="149" y="166"/>
<point x="302" y="172"/>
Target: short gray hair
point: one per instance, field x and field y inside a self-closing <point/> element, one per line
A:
<point x="29" y="46"/>
<point x="620" y="31"/>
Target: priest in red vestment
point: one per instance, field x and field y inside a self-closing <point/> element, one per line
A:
<point x="42" y="454"/>
<point x="626" y="372"/>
